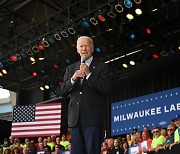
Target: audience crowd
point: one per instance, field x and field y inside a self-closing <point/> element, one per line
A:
<point x="154" y="141"/>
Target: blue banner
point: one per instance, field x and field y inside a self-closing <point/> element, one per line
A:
<point x="157" y="109"/>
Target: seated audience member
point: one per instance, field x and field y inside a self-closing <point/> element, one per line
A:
<point x="11" y="139"/>
<point x="50" y="143"/>
<point x="128" y="138"/>
<point x="177" y="131"/>
<point x="146" y="141"/>
<point x="117" y="148"/>
<point x="110" y="143"/>
<point x="40" y="140"/>
<point x="41" y="149"/>
<point x="64" y="142"/>
<point x="7" y="151"/>
<point x="158" y="140"/>
<point x="16" y="151"/>
<point x="1" y="150"/>
<point x="58" y="140"/>
<point x="57" y="150"/>
<point x="5" y="144"/>
<point x="139" y="136"/>
<point x="170" y="139"/>
<point x="104" y="148"/>
<point x="164" y="133"/>
<point x="46" y="146"/>
<point x="125" y="147"/>
<point x="134" y="148"/>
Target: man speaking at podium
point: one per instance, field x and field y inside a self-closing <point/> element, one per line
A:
<point x="87" y="82"/>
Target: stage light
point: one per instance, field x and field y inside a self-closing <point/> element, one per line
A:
<point x="137" y="1"/>
<point x="98" y="50"/>
<point x="41" y="58"/>
<point x="148" y="30"/>
<point x="41" y="47"/>
<point x="51" y="86"/>
<point x="164" y="53"/>
<point x="101" y="16"/>
<point x="35" y="49"/>
<point x="125" y="65"/>
<point x="1" y="74"/>
<point x="41" y="88"/>
<point x="138" y="11"/>
<point x="86" y="24"/>
<point x="119" y="8"/>
<point x="46" y="86"/>
<point x="71" y="31"/>
<point x="128" y="3"/>
<point x="93" y="21"/>
<point x="132" y="62"/>
<point x="1" y="65"/>
<point x="57" y="36"/>
<point x="130" y="16"/>
<point x="45" y="44"/>
<point x="132" y="36"/>
<point x="155" y="55"/>
<point x="55" y="66"/>
<point x="67" y="61"/>
<point x="42" y="71"/>
<point x="64" y="34"/>
<point x="34" y="74"/>
<point x="32" y="59"/>
<point x="14" y="58"/>
<point x="23" y="54"/>
<point x="9" y="61"/>
<point x="50" y="40"/>
<point x="60" y="83"/>
<point x="111" y="13"/>
<point x="4" y="71"/>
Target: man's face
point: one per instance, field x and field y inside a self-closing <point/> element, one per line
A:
<point x="85" y="48"/>
<point x="156" y="132"/>
<point x="177" y="122"/>
<point x="170" y="130"/>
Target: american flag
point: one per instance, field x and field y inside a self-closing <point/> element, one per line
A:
<point x="35" y="121"/>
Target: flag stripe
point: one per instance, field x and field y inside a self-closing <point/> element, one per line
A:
<point x="45" y="121"/>
<point x="33" y="128"/>
<point x="37" y="135"/>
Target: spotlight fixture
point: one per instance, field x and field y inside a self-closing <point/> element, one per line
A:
<point x="98" y="50"/>
<point x="35" y="49"/>
<point x="132" y="62"/>
<point x="4" y="71"/>
<point x="64" y="34"/>
<point x="111" y="13"/>
<point x="138" y="11"/>
<point x="55" y="66"/>
<point x="128" y="3"/>
<point x="50" y="40"/>
<point x="119" y="8"/>
<point x="14" y="58"/>
<point x="41" y="88"/>
<point x="9" y="61"/>
<point x="1" y="74"/>
<point x="101" y="16"/>
<point x="93" y="20"/>
<point x="137" y="1"/>
<point x="86" y="24"/>
<point x="32" y="59"/>
<point x="148" y="31"/>
<point x="57" y="36"/>
<point x="34" y="74"/>
<point x="46" y="86"/>
<point x="45" y="43"/>
<point x="125" y="65"/>
<point x="71" y="31"/>
<point x="40" y="47"/>
<point x="129" y="16"/>
<point x="23" y="54"/>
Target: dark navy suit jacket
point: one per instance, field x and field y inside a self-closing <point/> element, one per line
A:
<point x="87" y="99"/>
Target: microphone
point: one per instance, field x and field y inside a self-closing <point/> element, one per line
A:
<point x="83" y="59"/>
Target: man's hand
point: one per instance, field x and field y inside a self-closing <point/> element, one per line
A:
<point x="84" y="68"/>
<point x="78" y="74"/>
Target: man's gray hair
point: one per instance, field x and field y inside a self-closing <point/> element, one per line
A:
<point x="87" y="38"/>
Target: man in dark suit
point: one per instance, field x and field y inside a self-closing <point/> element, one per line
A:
<point x="87" y="82"/>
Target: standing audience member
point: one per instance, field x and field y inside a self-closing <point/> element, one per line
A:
<point x="110" y="143"/>
<point x="126" y="148"/>
<point x="170" y="139"/>
<point x="64" y="142"/>
<point x="117" y="149"/>
<point x="88" y="83"/>
<point x="128" y="138"/>
<point x="104" y="148"/>
<point x="146" y="141"/>
<point x="46" y="146"/>
<point x="134" y="148"/>
<point x="158" y="140"/>
<point x="177" y="131"/>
